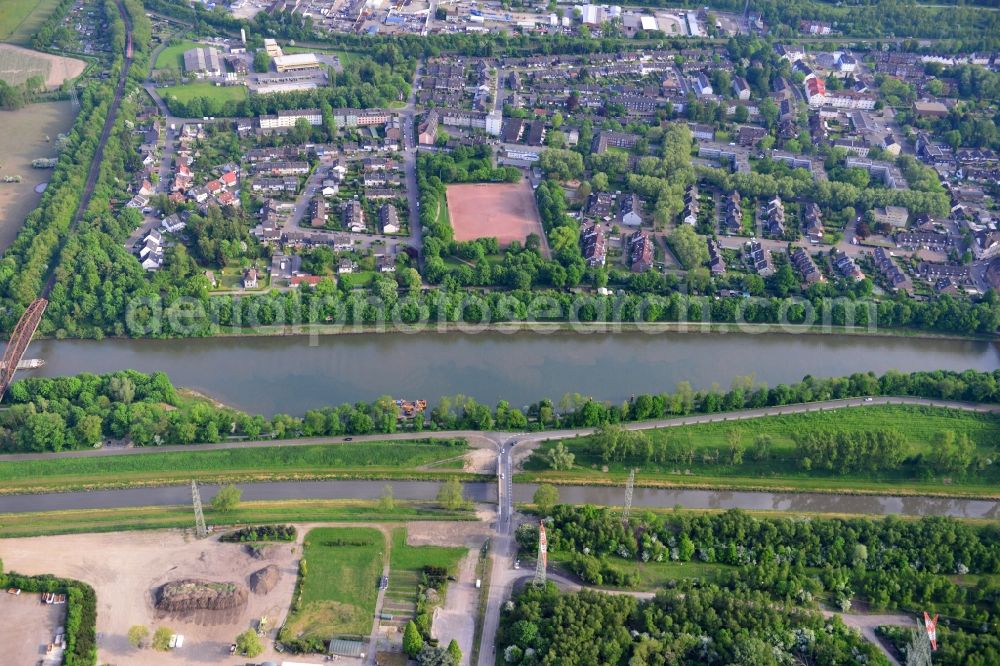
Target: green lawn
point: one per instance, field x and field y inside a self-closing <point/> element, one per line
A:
<point x="356" y="280"/>
<point x="173" y="56"/>
<point x="21" y="19"/>
<point x="353" y="459"/>
<point x="782" y="470"/>
<point x="189" y="91"/>
<point x="340" y="587"/>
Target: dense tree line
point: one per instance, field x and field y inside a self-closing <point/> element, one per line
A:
<point x="689" y="624"/>
<point x="892" y="563"/>
<point x="52" y="414"/>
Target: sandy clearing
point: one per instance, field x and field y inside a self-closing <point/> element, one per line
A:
<point x="457" y="534"/>
<point x="125" y="567"/>
<point x="60" y="68"/>
<point x="457" y="618"/>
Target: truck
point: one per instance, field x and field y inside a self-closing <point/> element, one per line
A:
<point x="479" y="583"/>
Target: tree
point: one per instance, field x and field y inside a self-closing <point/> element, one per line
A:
<point x="450" y="495"/>
<point x="455" y="651"/>
<point x="249" y="644"/>
<point x="161" y="639"/>
<point x="546" y="497"/>
<point x="412" y="640"/>
<point x="227" y="499"/>
<point x="138" y="635"/>
<point x="560" y="458"/>
<point x="261" y="61"/>
<point x="689" y="247"/>
<point x="387" y="502"/>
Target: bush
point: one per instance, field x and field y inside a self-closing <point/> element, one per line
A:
<point x="260" y="533"/>
<point x="161" y="639"/>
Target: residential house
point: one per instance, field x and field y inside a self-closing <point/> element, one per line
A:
<point x="630" y="208"/>
<point x="319" y="211"/>
<point x="388" y="219"/>
<point x="805" y="265"/>
<point x="249" y="280"/>
<point x="812" y="225"/>
<point x="716" y="262"/>
<point x="354" y="216"/>
<point x="173" y="224"/>
<point x="594" y="245"/>
<point x="151" y="252"/>
<point x="640" y="252"/>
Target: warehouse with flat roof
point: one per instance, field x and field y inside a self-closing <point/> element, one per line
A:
<point x="204" y="61"/>
<point x="296" y="61"/>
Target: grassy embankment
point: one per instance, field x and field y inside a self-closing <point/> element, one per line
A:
<point x="782" y="469"/>
<point x="21" y="19"/>
<point x="409" y="459"/>
<point x="156" y="517"/>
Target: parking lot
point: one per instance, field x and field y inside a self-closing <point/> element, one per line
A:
<point x="27" y="628"/>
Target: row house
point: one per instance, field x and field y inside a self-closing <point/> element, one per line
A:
<point x="692" y="206"/>
<point x="594" y="245"/>
<point x="759" y="258"/>
<point x="812" y="225"/>
<point x="805" y="265"/>
<point x="640" y="252"/>
<point x="774" y="216"/>
<point x="733" y="220"/>
<point x="846" y="266"/>
<point x="889" y="270"/>
<point x="716" y="262"/>
<point x="354" y="217"/>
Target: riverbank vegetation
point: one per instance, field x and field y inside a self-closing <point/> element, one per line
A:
<point x="396" y="459"/>
<point x="161" y="517"/>
<point x="889" y="448"/>
<point x="53" y="414"/>
<point x="935" y="564"/>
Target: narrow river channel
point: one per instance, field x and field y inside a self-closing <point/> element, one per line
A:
<point x="486" y="492"/>
<point x="290" y="374"/>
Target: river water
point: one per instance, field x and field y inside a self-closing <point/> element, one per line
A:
<point x="291" y="374"/>
<point x="486" y="492"/>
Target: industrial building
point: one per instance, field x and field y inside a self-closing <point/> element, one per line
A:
<point x="295" y="62"/>
<point x="204" y="61"/>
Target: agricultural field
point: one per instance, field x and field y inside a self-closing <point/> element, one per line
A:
<point x="340" y="586"/>
<point x="18" y="64"/>
<point x="189" y="91"/>
<point x="20" y="19"/>
<point x="781" y="469"/>
<point x="173" y="56"/>
<point x="357" y="459"/>
<point x="502" y="210"/>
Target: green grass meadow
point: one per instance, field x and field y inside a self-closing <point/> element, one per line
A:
<point x="21" y="19"/>
<point x="340" y="588"/>
<point x="347" y="459"/>
<point x="189" y="91"/>
<point x="919" y="425"/>
<point x="173" y="56"/>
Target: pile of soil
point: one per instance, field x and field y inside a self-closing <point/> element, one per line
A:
<point x="191" y="594"/>
<point x="263" y="580"/>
